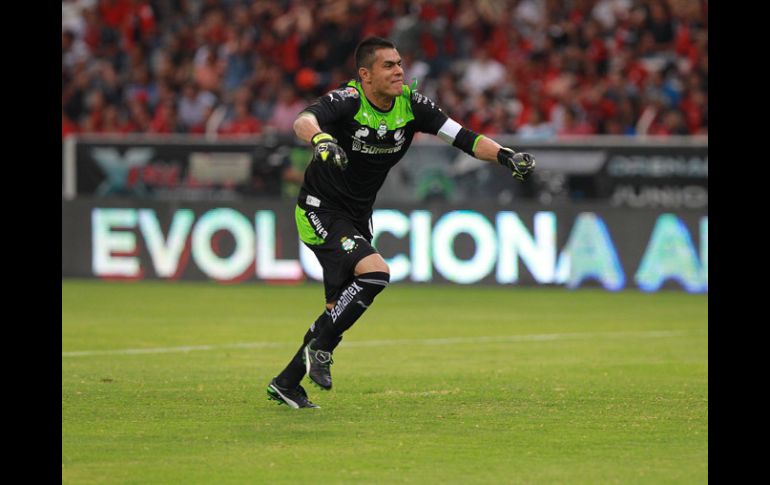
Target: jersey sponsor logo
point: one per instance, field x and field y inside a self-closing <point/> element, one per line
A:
<point x="359" y="145"/>
<point x="347" y="296"/>
<point x="373" y="150"/>
<point x="319" y="228"/>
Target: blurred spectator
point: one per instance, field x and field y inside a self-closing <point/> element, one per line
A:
<point x="619" y="65"/>
<point x="286" y="110"/>
<point x="107" y="81"/>
<point x="139" y="118"/>
<point x="73" y="50"/>
<point x="610" y="12"/>
<point x="650" y="119"/>
<point x="74" y="95"/>
<point x="242" y="123"/>
<point x="72" y="17"/>
<point x="205" y="123"/>
<point x="574" y="124"/>
<point x="94" y="121"/>
<point x="110" y="120"/>
<point x="537" y="128"/>
<point x="626" y="116"/>
<point x="209" y="71"/>
<point x="240" y="60"/>
<point x="114" y="12"/>
<point x="194" y="105"/>
<point x="482" y="73"/>
<point x="141" y="87"/>
<point x="660" y="24"/>
<point x="166" y="119"/>
<point x="673" y="124"/>
<point x="694" y="107"/>
<point x="68" y="127"/>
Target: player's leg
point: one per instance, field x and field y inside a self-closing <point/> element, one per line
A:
<point x="295" y="370"/>
<point x="293" y="373"/>
<point x="285" y="387"/>
<point x="371" y="276"/>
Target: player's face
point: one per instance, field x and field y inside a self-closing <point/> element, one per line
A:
<point x="387" y="73"/>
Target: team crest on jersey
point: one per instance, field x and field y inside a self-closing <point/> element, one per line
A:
<point x="382" y="129"/>
<point x="348" y="245"/>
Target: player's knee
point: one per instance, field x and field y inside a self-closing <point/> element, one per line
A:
<point x="374" y="263"/>
<point x="383" y="268"/>
<point x="373" y="283"/>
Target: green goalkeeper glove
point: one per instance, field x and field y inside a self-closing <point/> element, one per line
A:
<point x="519" y="163"/>
<point x="326" y="149"/>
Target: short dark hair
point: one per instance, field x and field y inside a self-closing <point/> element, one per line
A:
<point x="366" y="48"/>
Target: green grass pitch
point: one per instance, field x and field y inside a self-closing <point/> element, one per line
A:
<point x="165" y="383"/>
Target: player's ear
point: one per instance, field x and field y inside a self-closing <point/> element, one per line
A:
<point x="364" y="74"/>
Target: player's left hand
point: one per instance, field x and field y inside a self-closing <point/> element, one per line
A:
<point x="521" y="164"/>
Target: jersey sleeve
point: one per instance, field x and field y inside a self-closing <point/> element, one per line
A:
<point x="428" y="117"/>
<point x="334" y="106"/>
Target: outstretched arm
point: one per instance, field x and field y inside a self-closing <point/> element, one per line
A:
<point x="519" y="163"/>
<point x="486" y="149"/>
<point x="432" y="120"/>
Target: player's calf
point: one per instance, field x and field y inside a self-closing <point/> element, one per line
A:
<point x="354" y="300"/>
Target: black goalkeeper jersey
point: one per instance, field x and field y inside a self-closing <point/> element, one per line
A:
<point x="373" y="140"/>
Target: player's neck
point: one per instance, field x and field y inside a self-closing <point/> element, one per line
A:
<point x="382" y="102"/>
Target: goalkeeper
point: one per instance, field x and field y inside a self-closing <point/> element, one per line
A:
<point x="358" y="132"/>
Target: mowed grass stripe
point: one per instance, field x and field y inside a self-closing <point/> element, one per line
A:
<point x="378" y="343"/>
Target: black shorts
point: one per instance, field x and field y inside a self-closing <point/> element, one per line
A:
<point x="338" y="242"/>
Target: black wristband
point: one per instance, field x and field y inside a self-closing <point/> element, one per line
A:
<point x="502" y="154"/>
<point x="464" y="140"/>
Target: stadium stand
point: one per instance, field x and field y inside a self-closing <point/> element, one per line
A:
<point x="537" y="68"/>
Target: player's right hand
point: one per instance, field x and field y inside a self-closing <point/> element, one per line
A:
<point x="521" y="164"/>
<point x="326" y="149"/>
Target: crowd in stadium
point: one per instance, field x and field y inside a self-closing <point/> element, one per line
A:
<point x="536" y="68"/>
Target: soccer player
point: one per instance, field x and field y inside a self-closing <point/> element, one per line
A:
<point x="358" y="132"/>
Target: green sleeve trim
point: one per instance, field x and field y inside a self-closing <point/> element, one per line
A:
<point x="306" y="232"/>
<point x="475" y="142"/>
